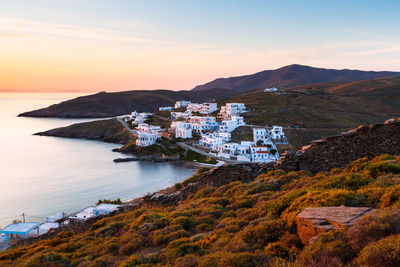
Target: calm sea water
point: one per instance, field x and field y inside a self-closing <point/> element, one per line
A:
<point x="41" y="176"/>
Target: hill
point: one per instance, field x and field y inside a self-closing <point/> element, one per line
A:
<point x="242" y="219"/>
<point x="311" y="115"/>
<point x="350" y="88"/>
<point x="292" y="75"/>
<point x="104" y="104"/>
<point x="110" y="131"/>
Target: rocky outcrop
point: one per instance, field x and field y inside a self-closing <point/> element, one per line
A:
<point x="155" y="158"/>
<point x="339" y="150"/>
<point x="313" y="221"/>
<point x="110" y="131"/>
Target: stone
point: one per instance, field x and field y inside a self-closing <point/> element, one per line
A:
<point x="391" y="121"/>
<point x="362" y="128"/>
<point x="315" y="220"/>
<point x="305" y="147"/>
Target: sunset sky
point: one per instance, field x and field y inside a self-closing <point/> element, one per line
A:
<point x="114" y="45"/>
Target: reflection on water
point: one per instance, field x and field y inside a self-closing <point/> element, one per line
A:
<point x="40" y="176"/>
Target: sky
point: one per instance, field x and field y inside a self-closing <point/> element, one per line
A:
<point x="116" y="45"/>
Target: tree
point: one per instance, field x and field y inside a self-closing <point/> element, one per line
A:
<point x="260" y="142"/>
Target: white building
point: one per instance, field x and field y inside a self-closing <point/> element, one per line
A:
<point x="278" y="135"/>
<point x="141" y="117"/>
<point x="239" y="152"/>
<point x="165" y="108"/>
<point x="183" y="133"/>
<point x="177" y="115"/>
<point x="260" y="134"/>
<point x="231" y="124"/>
<point x="147" y="134"/>
<point x="93" y="211"/>
<point x="232" y="109"/>
<point x="270" y="90"/>
<point x="147" y="139"/>
<point x="105" y="208"/>
<point x="180" y="124"/>
<point x="204" y="108"/>
<point x="182" y="104"/>
<point x="211" y="141"/>
<point x="201" y="124"/>
<point x="263" y="154"/>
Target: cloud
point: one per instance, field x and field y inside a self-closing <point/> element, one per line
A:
<point x="6" y="34"/>
<point x="69" y="30"/>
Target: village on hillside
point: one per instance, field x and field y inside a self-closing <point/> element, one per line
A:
<point x="207" y="129"/>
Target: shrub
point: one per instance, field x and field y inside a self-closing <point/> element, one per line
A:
<point x="385" y="252"/>
<point x="287" y="247"/>
<point x="243" y="259"/>
<point x="108" y="201"/>
<point x="181" y="247"/>
<point x="330" y="249"/>
<point x="383" y="167"/>
<point x="178" y="186"/>
<point x="53" y="258"/>
<point x="111" y="229"/>
<point x="130" y="242"/>
<point x="390" y="197"/>
<point x="263" y="233"/>
<point x="183" y="221"/>
<point x="374" y="227"/>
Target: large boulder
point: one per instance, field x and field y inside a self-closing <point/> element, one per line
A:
<point x="315" y="220"/>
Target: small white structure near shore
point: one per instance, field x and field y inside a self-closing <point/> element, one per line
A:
<point x="20" y="229"/>
<point x="92" y="211"/>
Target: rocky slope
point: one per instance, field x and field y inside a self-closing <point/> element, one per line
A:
<point x="292" y="75"/>
<point x="337" y="151"/>
<point x="111" y="131"/>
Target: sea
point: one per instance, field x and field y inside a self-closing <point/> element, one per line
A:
<point x="41" y="176"/>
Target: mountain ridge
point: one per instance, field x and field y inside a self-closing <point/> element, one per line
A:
<point x="292" y="75"/>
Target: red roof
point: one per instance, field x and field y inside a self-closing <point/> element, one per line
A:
<point x="262" y="152"/>
<point x="258" y="146"/>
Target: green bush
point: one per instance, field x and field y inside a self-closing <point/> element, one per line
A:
<point x="385" y="252"/>
<point x="373" y="227"/>
<point x="330" y="249"/>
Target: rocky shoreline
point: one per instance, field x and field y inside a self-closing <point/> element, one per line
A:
<point x="154" y="158"/>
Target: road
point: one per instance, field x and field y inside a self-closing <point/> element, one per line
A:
<point x="126" y="126"/>
<point x="186" y="146"/>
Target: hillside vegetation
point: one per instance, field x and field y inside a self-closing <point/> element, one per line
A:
<point x="312" y="115"/>
<point x="349" y="88"/>
<point x="241" y="224"/>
